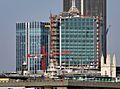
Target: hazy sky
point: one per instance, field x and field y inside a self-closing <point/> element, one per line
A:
<point x="12" y="11"/>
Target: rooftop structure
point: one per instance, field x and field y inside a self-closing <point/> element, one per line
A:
<point x="73" y="8"/>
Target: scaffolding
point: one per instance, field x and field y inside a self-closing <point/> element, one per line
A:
<point x="53" y="39"/>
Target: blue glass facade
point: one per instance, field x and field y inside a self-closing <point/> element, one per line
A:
<point x="30" y="38"/>
<point x="79" y="35"/>
<point x="20" y="45"/>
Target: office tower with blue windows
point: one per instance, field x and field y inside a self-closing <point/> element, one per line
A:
<point x="30" y="38"/>
<point x="82" y="37"/>
<point x="78" y="35"/>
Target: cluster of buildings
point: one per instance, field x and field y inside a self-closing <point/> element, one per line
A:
<point x="72" y="42"/>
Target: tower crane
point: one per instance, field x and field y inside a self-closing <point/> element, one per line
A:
<point x="43" y="55"/>
<point x="43" y="62"/>
<point x="108" y="29"/>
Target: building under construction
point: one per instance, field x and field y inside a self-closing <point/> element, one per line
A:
<point x="77" y="39"/>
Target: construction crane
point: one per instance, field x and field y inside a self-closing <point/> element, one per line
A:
<point x="31" y="56"/>
<point x="43" y="56"/>
<point x="35" y="58"/>
<point x="43" y="61"/>
<point x="108" y="29"/>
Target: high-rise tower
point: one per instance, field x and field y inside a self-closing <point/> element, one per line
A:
<point x="30" y="38"/>
<point x="91" y="8"/>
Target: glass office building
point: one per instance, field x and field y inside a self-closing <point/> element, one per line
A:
<point x="91" y="8"/>
<point x="80" y="36"/>
<point x="30" y="38"/>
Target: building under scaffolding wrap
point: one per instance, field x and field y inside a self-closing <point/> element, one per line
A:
<point x="54" y="44"/>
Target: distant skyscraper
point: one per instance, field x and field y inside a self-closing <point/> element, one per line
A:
<point x="91" y="8"/>
<point x="30" y="38"/>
